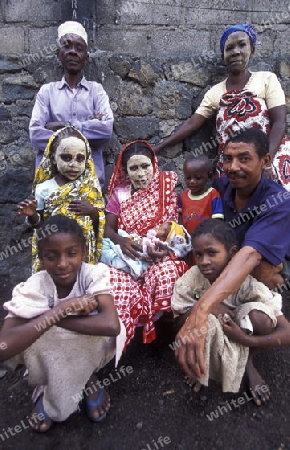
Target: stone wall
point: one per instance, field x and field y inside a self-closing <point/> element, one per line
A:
<point x="155" y="58"/>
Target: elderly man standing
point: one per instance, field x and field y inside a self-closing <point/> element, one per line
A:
<point x="73" y="100"/>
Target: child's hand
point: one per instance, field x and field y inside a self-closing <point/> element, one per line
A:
<point x="220" y="310"/>
<point x="234" y="332"/>
<point x="83" y="305"/>
<point x="27" y="207"/>
<point x="89" y="303"/>
<point x="81" y="207"/>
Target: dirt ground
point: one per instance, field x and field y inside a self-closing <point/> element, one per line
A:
<point x="152" y="408"/>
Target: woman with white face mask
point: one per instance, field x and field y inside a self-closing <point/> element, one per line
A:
<point x="141" y="197"/>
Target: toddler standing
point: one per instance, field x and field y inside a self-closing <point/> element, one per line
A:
<point x="199" y="201"/>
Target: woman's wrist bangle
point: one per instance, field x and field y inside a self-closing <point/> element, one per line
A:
<point x="33" y="224"/>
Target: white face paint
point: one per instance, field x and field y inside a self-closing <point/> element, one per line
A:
<point x="140" y="171"/>
<point x="70" y="157"/>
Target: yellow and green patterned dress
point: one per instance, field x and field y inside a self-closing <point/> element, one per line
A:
<point x="86" y="187"/>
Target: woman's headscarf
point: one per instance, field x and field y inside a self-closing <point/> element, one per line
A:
<point x="86" y="186"/>
<point x="247" y="28"/>
<point x="47" y="169"/>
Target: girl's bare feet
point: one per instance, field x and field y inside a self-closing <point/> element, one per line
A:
<point x="193" y="383"/>
<point x="258" y="387"/>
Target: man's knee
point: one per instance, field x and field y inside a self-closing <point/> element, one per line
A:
<point x="268" y="274"/>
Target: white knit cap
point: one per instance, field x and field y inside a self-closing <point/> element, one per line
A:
<point x="72" y="27"/>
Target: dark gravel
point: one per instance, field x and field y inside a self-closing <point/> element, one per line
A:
<point x="154" y="401"/>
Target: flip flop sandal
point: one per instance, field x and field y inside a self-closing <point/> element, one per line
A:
<point x="95" y="404"/>
<point x="40" y="410"/>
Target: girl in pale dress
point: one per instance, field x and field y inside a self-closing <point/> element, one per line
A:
<point x="62" y="324"/>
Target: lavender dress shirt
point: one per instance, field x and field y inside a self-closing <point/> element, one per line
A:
<point x="56" y="101"/>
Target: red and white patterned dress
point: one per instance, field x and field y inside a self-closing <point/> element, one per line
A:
<point x="139" y="301"/>
<point x="242" y="109"/>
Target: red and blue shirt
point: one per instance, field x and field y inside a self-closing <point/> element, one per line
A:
<point x="196" y="208"/>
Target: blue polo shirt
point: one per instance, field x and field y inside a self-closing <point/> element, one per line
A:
<point x="264" y="223"/>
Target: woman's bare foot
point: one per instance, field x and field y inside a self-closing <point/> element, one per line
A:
<point x="258" y="387"/>
<point x="193" y="383"/>
<point x="97" y="399"/>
